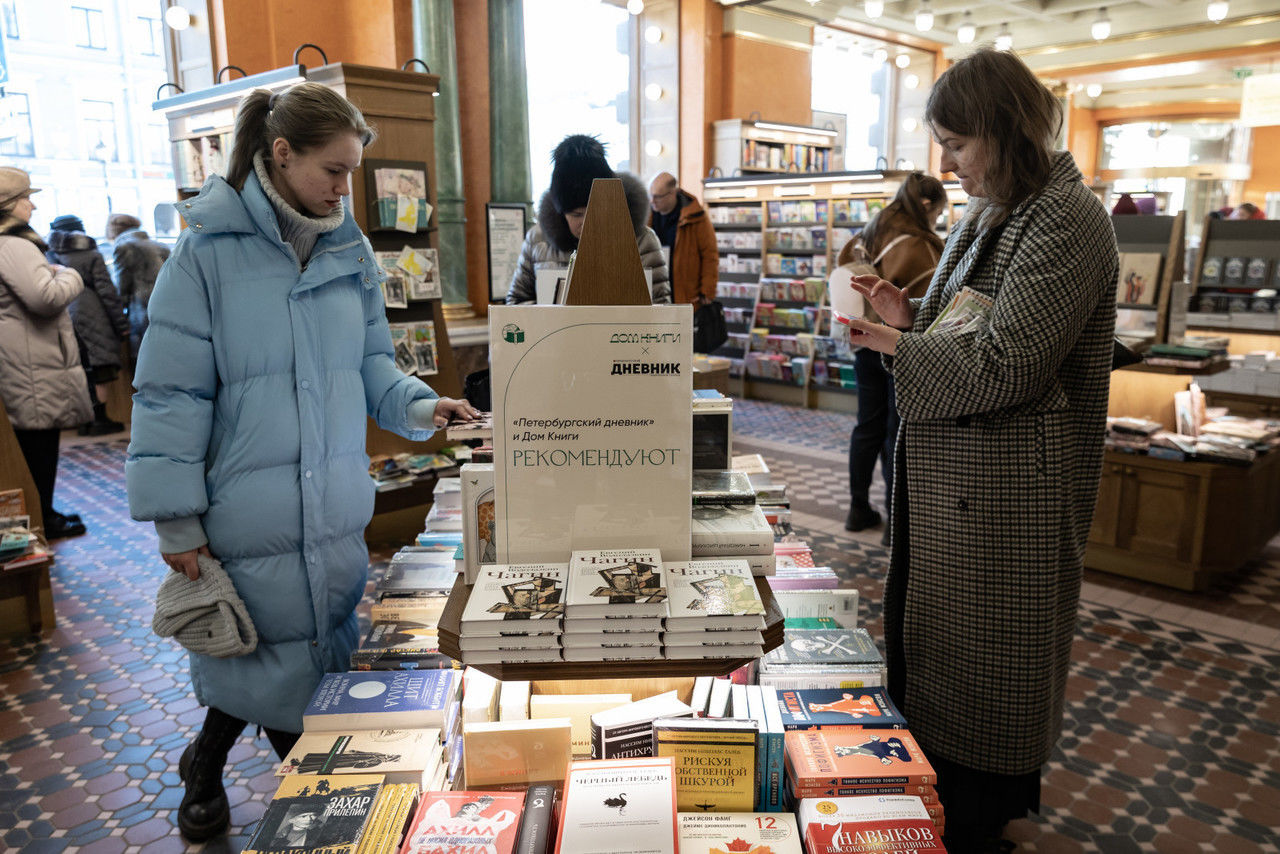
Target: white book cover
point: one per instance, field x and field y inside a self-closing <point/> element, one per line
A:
<point x="609" y="625"/>
<point x="616" y="581"/>
<point x="479" y="518"/>
<point x="755" y="468"/>
<point x="739" y="833"/>
<point x="593" y="428"/>
<point x="473" y="643"/>
<point x="447" y="493"/>
<point x="718" y="705"/>
<point x="713" y="594"/>
<point x="625" y="806"/>
<point x="511" y="656"/>
<point x="526" y="594"/>
<point x="630" y="653"/>
<point x="578" y="708"/>
<point x="701" y="694"/>
<point x="611" y="640"/>
<point x="735" y="636"/>
<point x="513" y="700"/>
<point x="733" y="651"/>
<point x="403" y="755"/>
<point x="730" y="531"/>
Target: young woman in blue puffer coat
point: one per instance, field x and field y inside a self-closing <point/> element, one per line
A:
<point x="267" y="347"/>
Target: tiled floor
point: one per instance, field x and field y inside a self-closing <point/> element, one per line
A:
<point x="1169" y="744"/>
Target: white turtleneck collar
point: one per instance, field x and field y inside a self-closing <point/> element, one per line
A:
<point x="297" y="229"/>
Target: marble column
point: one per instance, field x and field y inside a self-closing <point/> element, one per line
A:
<point x="508" y="105"/>
<point x="433" y="42"/>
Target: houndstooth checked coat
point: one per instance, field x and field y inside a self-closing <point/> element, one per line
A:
<point x="999" y="455"/>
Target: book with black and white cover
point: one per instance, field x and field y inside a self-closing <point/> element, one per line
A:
<point x="515" y="597"/>
<point x="725" y="531"/>
<point x="707" y="594"/>
<point x="806" y="647"/>
<point x="627" y="731"/>
<point x="611" y="625"/>
<point x="537" y="821"/>
<point x="712" y="487"/>
<point x="417" y="579"/>
<point x="619" y="807"/>
<point x="402" y="755"/>
<point x="620" y="653"/>
<point x="316" y="812"/>
<point x="616" y="581"/>
<point x="701" y="695"/>
<point x="611" y="640"/>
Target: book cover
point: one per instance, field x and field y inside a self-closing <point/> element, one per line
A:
<point x="578" y="708"/>
<point x="626" y="731"/>
<point x="400" y="755"/>
<point x="519" y="594"/>
<point x="1233" y="270"/>
<point x="1255" y="272"/>
<point x="399" y="643"/>
<point x="720" y="531"/>
<point x="537" y="821"/>
<point x="713" y="594"/>
<point x="848" y="757"/>
<point x="479" y="518"/>
<point x="381" y="700"/>
<point x="888" y="823"/>
<point x="434" y="578"/>
<point x="316" y="812"/>
<point x="701" y="695"/>
<point x="842" y="676"/>
<point x="715" y="761"/>
<point x="817" y="646"/>
<point x="722" y="488"/>
<point x="499" y="753"/>
<point x="1211" y="272"/>
<point x="616" y="581"/>
<point x="612" y="625"/>
<point x="400" y="609"/>
<point x="449" y="822"/>
<point x="738" y="833"/>
<point x="392" y="811"/>
<point x="866" y="708"/>
<point x="718" y="705"/>
<point x="619" y="807"/>
<point x="1139" y="280"/>
<point x="775" y="770"/>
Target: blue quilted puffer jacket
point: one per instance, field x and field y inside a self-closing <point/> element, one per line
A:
<point x="253" y="383"/>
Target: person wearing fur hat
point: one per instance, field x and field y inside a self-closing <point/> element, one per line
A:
<point x="578" y="160"/>
<point x="41" y="382"/>
<point x="138" y="261"/>
<point x="97" y="316"/>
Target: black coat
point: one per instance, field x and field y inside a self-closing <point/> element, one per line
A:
<point x="97" y="315"/>
<point x="138" y="262"/>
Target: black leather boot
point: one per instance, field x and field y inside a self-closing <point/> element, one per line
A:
<point x="101" y="425"/>
<point x="204" y="812"/>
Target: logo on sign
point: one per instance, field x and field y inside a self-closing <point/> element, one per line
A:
<point x="512" y="334"/>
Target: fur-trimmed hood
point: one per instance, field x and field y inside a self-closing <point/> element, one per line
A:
<point x="556" y="229"/>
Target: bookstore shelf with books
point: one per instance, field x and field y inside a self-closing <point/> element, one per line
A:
<point x="759" y="146"/>
<point x="1236" y="276"/>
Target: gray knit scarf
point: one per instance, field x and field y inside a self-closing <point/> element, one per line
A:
<point x="297" y="229"/>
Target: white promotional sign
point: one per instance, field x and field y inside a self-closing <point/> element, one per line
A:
<point x="592" y="429"/>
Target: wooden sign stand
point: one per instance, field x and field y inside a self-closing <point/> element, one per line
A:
<point x="606" y="270"/>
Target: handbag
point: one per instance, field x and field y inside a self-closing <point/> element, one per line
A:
<point x="709" y="329"/>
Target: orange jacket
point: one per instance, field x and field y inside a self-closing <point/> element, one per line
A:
<point x="695" y="261"/>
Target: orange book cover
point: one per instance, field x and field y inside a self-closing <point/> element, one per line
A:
<point x="849" y="757"/>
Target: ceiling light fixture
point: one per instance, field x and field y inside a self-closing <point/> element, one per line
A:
<point x="653" y="34"/>
<point x="1093" y="90"/>
<point x="653" y="148"/>
<point x="635" y="7"/>
<point x="967" y="31"/>
<point x="902" y="60"/>
<point x="653" y="91"/>
<point x="1101" y="26"/>
<point x="1004" y="38"/>
<point x="880" y="55"/>
<point x="873" y="8"/>
<point x="177" y="18"/>
<point x="911" y="81"/>
<point x="1217" y="10"/>
<point x="909" y="124"/>
<point x="924" y="17"/>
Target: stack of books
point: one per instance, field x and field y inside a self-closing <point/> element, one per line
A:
<point x="616" y="605"/>
<point x="716" y="611"/>
<point x="626" y="732"/>
<point x="887" y="823"/>
<point x="514" y="614"/>
<point x="734" y="532"/>
<point x="823" y="658"/>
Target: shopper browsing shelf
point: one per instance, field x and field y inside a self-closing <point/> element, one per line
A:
<point x="1000" y="447"/>
<point x="544" y="258"/>
<point x="267" y="347"/>
<point x="138" y="260"/>
<point x="901" y="242"/>
<point x="686" y="233"/>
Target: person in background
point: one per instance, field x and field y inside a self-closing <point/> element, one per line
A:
<point x="138" y="260"/>
<point x="578" y="160"/>
<point x="1247" y="210"/>
<point x="1125" y="205"/>
<point x="689" y="239"/>
<point x="97" y="315"/>
<point x="41" y="381"/>
<point x="901" y="240"/>
<point x="267" y="351"/>
<point x="1000" y="448"/>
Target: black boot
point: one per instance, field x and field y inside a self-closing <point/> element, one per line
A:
<point x="204" y="812"/>
<point x="101" y="425"/>
<point x="57" y="526"/>
<point x="861" y="517"/>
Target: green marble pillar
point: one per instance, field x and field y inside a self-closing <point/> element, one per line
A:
<point x="508" y="105"/>
<point x="433" y="42"/>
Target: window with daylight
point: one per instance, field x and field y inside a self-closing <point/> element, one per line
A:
<point x="9" y="19"/>
<point x="98" y="130"/>
<point x="89" y="27"/>
<point x="149" y="36"/>
<point x="16" y="138"/>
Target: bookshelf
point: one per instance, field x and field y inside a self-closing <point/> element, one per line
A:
<point x="1235" y="261"/>
<point x="744" y="146"/>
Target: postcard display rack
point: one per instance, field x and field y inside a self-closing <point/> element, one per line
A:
<point x="399" y="163"/>
<point x="544" y="517"/>
<point x="778" y="240"/>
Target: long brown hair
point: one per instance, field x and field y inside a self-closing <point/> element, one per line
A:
<point x="992" y="96"/>
<point x="306" y="116"/>
<point x="908" y="211"/>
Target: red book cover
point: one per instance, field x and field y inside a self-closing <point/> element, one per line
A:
<point x="465" y="822"/>
<point x="905" y="835"/>
<point x="852" y="757"/>
<point x="927" y="794"/>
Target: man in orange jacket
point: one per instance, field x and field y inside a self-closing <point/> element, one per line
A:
<point x="689" y="240"/>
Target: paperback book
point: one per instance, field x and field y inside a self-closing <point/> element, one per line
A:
<point x="724" y="531"/>
<point x="619" y="807"/>
<point x="624" y="732"/>
<point x="865" y="708"/>
<point x="715" y="761"/>
<point x="316" y="812"/>
<point x="578" y="708"/>
<point x="612" y="625"/>
<point x="713" y="594"/>
<point x="516" y="597"/>
<point x="450" y="822"/>
<point x="848" y="757"/>
<point x="400" y="755"/>
<point x="537" y="822"/>
<point x="381" y="700"/>
<point x="400" y="644"/>
<point x="615" y="582"/>
<point x="611" y="640"/>
<point x="869" y="824"/>
<point x="722" y="488"/>
<point x="500" y="753"/>
<point x="738" y="833"/>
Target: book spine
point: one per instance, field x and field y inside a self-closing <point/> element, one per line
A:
<point x="777" y="749"/>
<point x="723" y="500"/>
<point x="535" y="824"/>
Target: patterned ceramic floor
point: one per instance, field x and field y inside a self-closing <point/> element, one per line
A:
<point x="1170" y="742"/>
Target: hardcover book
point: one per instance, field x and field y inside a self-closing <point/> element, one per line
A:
<point x="616" y="581"/>
<point x="515" y="597"/>
<point x="738" y="833"/>
<point x="395" y="644"/>
<point x="927" y="794"/>
<point x="717" y="651"/>
<point x="817" y="646"/>
<point x="610" y="625"/>
<point x="316" y="812"/>
<point x="1139" y="280"/>
<point x="715" y="761"/>
<point x="537" y="821"/>
<point x="611" y="640"/>
<point x="866" y="708"/>
<point x="722" y="488"/>
<point x="479" y="518"/>
<point x="613" y="653"/>
<point x="408" y="609"/>
<point x="724" y="531"/>
<point x="1233" y="270"/>
<point x="626" y="731"/>
<point x="578" y="708"/>
<point x="475" y="643"/>
<point x="1255" y="272"/>
<point x="713" y="594"/>
<point x="511" y="656"/>
<point x="890" y="823"/>
<point x="381" y="700"/>
<point x="714" y="637"/>
<point x="400" y="755"/>
<point x="848" y="757"/>
<point x="433" y="578"/>
<point x="392" y="811"/>
<point x="619" y="807"/>
<point x="449" y="822"/>
<point x="1211" y="272"/>
<point x="499" y="753"/>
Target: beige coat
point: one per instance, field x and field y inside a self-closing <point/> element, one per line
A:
<point x="41" y="381"/>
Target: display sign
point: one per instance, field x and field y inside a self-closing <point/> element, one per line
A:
<point x="592" y="429"/>
<point x="505" y="232"/>
<point x="1260" y="101"/>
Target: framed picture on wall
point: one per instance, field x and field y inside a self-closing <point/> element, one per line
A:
<point x="505" y="225"/>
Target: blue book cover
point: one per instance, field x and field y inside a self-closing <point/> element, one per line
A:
<point x="776" y="755"/>
<point x="868" y="708"/>
<point x="375" y="699"/>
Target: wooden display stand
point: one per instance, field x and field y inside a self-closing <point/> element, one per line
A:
<point x="1248" y="239"/>
<point x="26" y="597"/>
<point x="606" y="271"/>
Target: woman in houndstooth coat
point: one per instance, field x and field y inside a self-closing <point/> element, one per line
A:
<point x="999" y="450"/>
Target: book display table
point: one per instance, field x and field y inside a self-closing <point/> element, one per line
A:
<point x="1182" y="523"/>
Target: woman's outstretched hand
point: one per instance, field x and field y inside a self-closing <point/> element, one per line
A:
<point x="448" y="409"/>
<point x="890" y="302"/>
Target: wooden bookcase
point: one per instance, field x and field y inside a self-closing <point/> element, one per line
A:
<point x="744" y="146"/>
<point x="1223" y="304"/>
